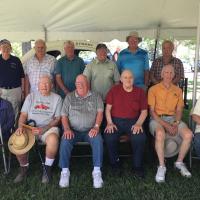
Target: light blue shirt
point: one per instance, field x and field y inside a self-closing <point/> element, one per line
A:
<point x="136" y="62"/>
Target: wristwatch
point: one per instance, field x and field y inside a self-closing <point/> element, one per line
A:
<point x="96" y="126"/>
<point x="177" y="122"/>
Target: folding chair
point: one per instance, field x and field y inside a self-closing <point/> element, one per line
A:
<point x="6" y="161"/>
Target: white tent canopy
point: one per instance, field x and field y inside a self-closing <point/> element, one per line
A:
<point x="102" y="20"/>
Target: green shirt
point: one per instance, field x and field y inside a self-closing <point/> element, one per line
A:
<point x="69" y="70"/>
<point x="102" y="76"/>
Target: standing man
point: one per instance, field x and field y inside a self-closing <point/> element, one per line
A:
<point x="11" y="76"/>
<point x="82" y="114"/>
<point x="102" y="73"/>
<point x="126" y="110"/>
<point x="38" y="65"/>
<point x="136" y="60"/>
<point x="165" y="59"/>
<point x="67" y="69"/>
<point x="166" y="105"/>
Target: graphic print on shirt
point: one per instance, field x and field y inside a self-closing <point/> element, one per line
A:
<point x="42" y="107"/>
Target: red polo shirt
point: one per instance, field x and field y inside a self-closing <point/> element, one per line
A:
<point x="126" y="104"/>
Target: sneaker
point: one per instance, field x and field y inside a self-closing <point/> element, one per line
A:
<point x="160" y="175"/>
<point x="21" y="175"/>
<point x="97" y="179"/>
<point x="46" y="176"/>
<point x="183" y="169"/>
<point x="64" y="179"/>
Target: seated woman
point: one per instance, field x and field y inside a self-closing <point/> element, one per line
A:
<point x="7" y="118"/>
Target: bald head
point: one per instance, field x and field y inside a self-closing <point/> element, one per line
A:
<point x="127" y="79"/>
<point x="126" y="72"/>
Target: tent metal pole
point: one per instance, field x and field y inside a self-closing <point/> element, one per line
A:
<point x="196" y="63"/>
<point x="45" y="33"/>
<point x="156" y="41"/>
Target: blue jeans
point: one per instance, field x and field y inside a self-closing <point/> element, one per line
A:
<point x="137" y="142"/>
<point x="66" y="147"/>
<point x="197" y="144"/>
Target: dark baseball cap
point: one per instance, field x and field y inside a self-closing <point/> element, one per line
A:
<point x="100" y="46"/>
<point x="5" y="41"/>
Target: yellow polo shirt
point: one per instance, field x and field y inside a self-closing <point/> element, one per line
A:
<point x="165" y="100"/>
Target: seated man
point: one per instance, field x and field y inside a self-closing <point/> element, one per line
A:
<point x="196" y="118"/>
<point x="7" y="118"/>
<point x="82" y="114"/>
<point x="44" y="108"/>
<point x="166" y="105"/>
<point x="126" y="110"/>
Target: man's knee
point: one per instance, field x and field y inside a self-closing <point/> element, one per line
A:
<point x="186" y="134"/>
<point x="52" y="140"/>
<point x="97" y="139"/>
<point x="138" y="138"/>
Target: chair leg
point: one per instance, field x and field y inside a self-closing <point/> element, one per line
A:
<point x="4" y="160"/>
<point x="190" y="157"/>
<point x="9" y="161"/>
<point x="41" y="159"/>
<point x="3" y="152"/>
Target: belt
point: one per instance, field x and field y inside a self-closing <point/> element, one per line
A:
<point x="164" y="115"/>
<point x="7" y="87"/>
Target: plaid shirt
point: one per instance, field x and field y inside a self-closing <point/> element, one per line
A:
<point x="34" y="69"/>
<point x="158" y="64"/>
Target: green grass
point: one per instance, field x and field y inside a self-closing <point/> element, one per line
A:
<point x="115" y="188"/>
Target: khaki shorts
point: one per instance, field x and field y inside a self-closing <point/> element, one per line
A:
<point x="153" y="125"/>
<point x="43" y="137"/>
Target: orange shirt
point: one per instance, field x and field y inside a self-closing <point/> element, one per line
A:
<point x="163" y="100"/>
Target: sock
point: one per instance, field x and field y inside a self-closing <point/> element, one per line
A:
<point x="96" y="169"/>
<point x="49" y="161"/>
<point x="178" y="162"/>
<point x="26" y="165"/>
<point x="65" y="170"/>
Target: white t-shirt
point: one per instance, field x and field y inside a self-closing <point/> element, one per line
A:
<point x="41" y="108"/>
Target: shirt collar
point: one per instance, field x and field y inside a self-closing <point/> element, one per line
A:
<point x="88" y="94"/>
<point x="162" y="85"/>
<point x="137" y="50"/>
<point x="98" y="62"/>
<point x="71" y="59"/>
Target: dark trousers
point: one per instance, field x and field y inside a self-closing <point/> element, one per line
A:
<point x="137" y="142"/>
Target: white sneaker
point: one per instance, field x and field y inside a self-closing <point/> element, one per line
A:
<point x="97" y="179"/>
<point x="64" y="179"/>
<point x="183" y="169"/>
<point x="160" y="175"/>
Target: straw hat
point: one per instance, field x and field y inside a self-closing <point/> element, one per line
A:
<point x="172" y="145"/>
<point x="20" y="144"/>
<point x="134" y="34"/>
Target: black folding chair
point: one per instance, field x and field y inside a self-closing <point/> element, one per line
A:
<point x="37" y="148"/>
<point x="6" y="159"/>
